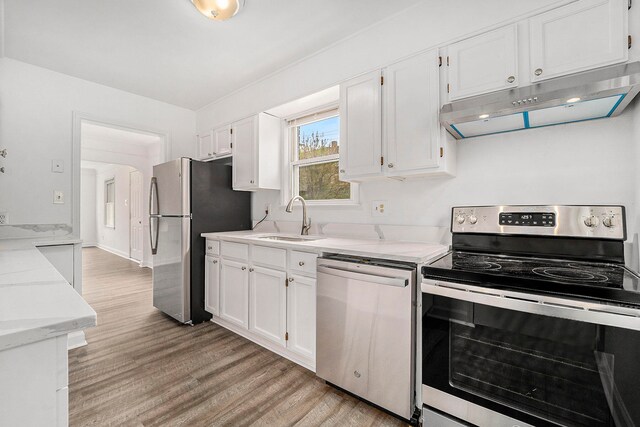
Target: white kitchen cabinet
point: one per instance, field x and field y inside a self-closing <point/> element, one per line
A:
<point x="257" y="153"/>
<point x="212" y="285"/>
<point x="406" y="105"/>
<point x="579" y="36"/>
<point x="222" y="141"/>
<point x="267" y="303"/>
<point x="301" y="316"/>
<point x="361" y="127"/>
<point x="234" y="292"/>
<point x="410" y="113"/>
<point x="205" y="147"/>
<point x="484" y="63"/>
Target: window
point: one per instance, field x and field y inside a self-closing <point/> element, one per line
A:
<point x="314" y="153"/>
<point x="110" y="203"/>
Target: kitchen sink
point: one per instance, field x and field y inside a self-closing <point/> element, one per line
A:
<point x="290" y="238"/>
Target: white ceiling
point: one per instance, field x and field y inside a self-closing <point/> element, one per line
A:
<point x="167" y="51"/>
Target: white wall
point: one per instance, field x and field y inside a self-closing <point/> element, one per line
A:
<point x="114" y="239"/>
<point x="36" y="127"/>
<point x="88" y="214"/>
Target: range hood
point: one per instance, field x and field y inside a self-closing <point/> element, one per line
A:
<point x="589" y="95"/>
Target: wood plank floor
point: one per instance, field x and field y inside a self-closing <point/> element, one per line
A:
<point x="143" y="369"/>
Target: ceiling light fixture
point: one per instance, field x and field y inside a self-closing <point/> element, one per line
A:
<point x="572" y="100"/>
<point x="218" y="10"/>
<point x="483" y="116"/>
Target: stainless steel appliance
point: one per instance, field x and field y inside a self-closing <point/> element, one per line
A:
<point x="187" y="198"/>
<point x="532" y="319"/>
<point x="600" y="93"/>
<point x="365" y="330"/>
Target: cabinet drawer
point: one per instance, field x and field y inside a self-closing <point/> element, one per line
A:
<point x="235" y="250"/>
<point x="303" y="262"/>
<point x="269" y="257"/>
<point x="213" y="247"/>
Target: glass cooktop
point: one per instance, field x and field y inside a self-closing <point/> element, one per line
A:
<point x="596" y="280"/>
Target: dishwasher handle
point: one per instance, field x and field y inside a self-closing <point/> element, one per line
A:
<point x="366" y="277"/>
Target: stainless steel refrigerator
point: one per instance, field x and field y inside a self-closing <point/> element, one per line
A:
<point x="189" y="197"/>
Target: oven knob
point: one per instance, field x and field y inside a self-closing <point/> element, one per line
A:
<point x="473" y="219"/>
<point x="608" y="221"/>
<point x="591" y="221"/>
<point x="460" y="219"/>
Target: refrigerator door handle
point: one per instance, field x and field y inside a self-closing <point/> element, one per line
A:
<point x="154" y="246"/>
<point x="153" y="191"/>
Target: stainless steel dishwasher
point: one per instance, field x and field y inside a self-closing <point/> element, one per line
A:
<point x="365" y="333"/>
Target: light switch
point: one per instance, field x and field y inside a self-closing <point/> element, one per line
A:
<point x="58" y="197"/>
<point x="57" y="166"/>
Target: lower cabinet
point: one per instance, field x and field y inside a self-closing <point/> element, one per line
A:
<point x="301" y="316"/>
<point x="268" y="303"/>
<point x="234" y="292"/>
<point x="212" y="285"/>
<point x="273" y="304"/>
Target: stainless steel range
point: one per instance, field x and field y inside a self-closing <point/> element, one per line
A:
<point x="532" y="319"/>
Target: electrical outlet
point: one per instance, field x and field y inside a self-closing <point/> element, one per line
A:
<point x="378" y="208"/>
<point x="267" y="208"/>
<point x="58" y="197"/>
<point x="4" y="218"/>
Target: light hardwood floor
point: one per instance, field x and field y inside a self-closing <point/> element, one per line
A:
<point x="143" y="369"/>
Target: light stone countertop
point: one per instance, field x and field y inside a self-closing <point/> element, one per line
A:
<point x="414" y="252"/>
<point x="36" y="302"/>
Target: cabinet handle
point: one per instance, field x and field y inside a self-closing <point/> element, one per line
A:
<point x="244" y="268"/>
<point x="538" y="71"/>
<point x="214" y="262"/>
<point x="341" y="170"/>
<point x="251" y="270"/>
<point x="390" y="165"/>
<point x="210" y="247"/>
<point x="291" y="279"/>
<point x="301" y="263"/>
<point x="209" y="154"/>
<point x="511" y="79"/>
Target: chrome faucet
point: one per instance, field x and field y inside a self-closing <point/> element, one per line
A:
<point x="306" y="222"/>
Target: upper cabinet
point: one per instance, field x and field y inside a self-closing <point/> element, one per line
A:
<point x="257" y="153"/>
<point x="361" y="126"/>
<point x="403" y="100"/>
<point x="484" y="63"/>
<point x="205" y="147"/>
<point x="579" y="36"/>
<point x="222" y="141"/>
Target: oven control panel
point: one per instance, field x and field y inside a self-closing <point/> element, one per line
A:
<point x="530" y="219"/>
<point x="601" y="222"/>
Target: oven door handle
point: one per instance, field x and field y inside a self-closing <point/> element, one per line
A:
<point x="582" y="311"/>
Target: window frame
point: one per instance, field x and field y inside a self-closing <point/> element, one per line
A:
<point x="109" y="205"/>
<point x="292" y="163"/>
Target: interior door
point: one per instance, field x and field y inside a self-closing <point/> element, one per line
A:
<point x="170" y="241"/>
<point x="136" y="234"/>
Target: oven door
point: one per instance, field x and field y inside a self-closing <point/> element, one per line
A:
<point x="491" y="359"/>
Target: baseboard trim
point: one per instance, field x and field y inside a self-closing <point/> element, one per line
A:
<point x="76" y="339"/>
<point x="118" y="252"/>
<point x="89" y="244"/>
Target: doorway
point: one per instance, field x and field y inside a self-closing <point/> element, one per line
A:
<point x="136" y="213"/>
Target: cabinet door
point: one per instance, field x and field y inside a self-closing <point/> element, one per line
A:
<point x="411" y="106"/>
<point x="577" y="37"/>
<point x="360" y="126"/>
<point x="205" y="146"/>
<point x="234" y="292"/>
<point x="483" y="63"/>
<point x="301" y="316"/>
<point x="222" y="140"/>
<point x="245" y="134"/>
<point x="212" y="285"/>
<point x="267" y="302"/>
